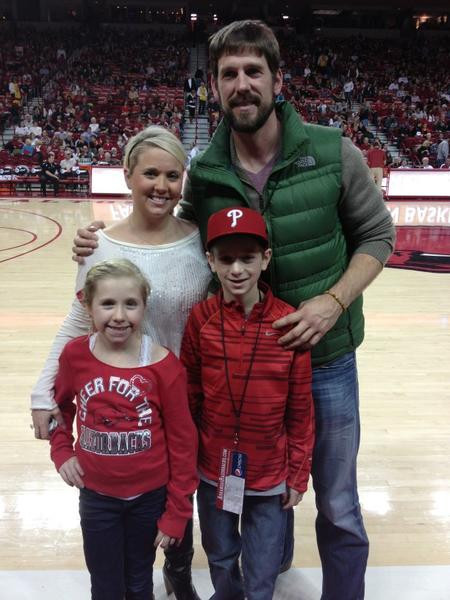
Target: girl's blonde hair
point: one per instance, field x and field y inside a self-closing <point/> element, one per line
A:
<point x="153" y="136"/>
<point x="113" y="269"/>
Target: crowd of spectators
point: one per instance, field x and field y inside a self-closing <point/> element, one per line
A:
<point x="91" y="94"/>
<point x="400" y="88"/>
<point x="80" y="95"/>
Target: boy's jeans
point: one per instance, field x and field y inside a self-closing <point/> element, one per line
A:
<point x="118" y="538"/>
<point x="263" y="524"/>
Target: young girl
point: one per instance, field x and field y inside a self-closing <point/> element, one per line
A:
<point x="135" y="457"/>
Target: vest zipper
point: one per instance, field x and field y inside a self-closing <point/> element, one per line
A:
<point x="261" y="203"/>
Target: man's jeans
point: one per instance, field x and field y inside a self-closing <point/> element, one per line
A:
<point x="341" y="537"/>
<point x="263" y="525"/>
<point x="118" y="538"/>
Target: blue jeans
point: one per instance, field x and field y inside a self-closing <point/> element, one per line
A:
<point x="341" y="537"/>
<point x="289" y="542"/>
<point x="118" y="537"/>
<point x="261" y="539"/>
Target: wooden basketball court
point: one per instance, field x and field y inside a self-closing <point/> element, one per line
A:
<point x="404" y="461"/>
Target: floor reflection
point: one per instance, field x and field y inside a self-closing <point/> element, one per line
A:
<point x="56" y="509"/>
<point x="375" y="501"/>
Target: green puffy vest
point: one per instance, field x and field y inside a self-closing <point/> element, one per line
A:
<point x="300" y="206"/>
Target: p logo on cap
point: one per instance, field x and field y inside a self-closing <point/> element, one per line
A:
<point x="239" y="219"/>
<point x="235" y="214"/>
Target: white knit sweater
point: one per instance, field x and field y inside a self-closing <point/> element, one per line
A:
<point x="179" y="276"/>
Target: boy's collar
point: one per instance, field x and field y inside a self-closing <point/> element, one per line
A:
<point x="259" y="306"/>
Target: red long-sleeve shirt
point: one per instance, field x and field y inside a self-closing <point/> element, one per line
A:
<point x="376" y="158"/>
<point x="135" y="432"/>
<point x="277" y="419"/>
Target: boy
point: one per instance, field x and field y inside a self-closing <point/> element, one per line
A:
<point x="252" y="403"/>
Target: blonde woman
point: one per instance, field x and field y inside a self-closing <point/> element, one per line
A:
<point x="169" y="252"/>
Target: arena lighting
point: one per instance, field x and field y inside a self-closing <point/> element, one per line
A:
<point x="285" y="17"/>
<point x="421" y="19"/>
<point x="214" y="17"/>
<point x="193" y="16"/>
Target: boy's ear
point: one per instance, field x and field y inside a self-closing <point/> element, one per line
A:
<point x="267" y="255"/>
<point x="210" y="259"/>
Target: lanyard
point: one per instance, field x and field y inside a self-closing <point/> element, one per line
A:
<point x="237" y="409"/>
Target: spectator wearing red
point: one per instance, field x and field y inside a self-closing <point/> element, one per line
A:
<point x="376" y="159"/>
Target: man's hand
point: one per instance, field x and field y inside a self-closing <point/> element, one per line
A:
<point x="72" y="472"/>
<point x="291" y="498"/>
<point x="85" y="241"/>
<point x="309" y="323"/>
<point x="165" y="541"/>
<point x="316" y="316"/>
<point x="41" y="419"/>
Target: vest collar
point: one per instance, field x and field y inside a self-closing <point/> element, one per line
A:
<point x="219" y="152"/>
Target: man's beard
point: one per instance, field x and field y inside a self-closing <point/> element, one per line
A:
<point x="246" y="123"/>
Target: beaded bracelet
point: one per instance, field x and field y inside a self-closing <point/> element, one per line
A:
<point x="333" y="295"/>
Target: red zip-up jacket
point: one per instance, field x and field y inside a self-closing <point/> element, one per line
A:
<point x="277" y="418"/>
<point x="135" y="432"/>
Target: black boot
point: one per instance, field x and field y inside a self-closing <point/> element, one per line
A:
<point x="177" y="568"/>
<point x="179" y="583"/>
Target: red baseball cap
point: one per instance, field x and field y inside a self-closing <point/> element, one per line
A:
<point x="237" y="219"/>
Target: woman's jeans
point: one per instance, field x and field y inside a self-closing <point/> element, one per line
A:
<point x="118" y="538"/>
<point x="260" y="541"/>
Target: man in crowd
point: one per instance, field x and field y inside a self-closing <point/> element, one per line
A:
<point x="49" y="175"/>
<point x="442" y="152"/>
<point x="376" y="160"/>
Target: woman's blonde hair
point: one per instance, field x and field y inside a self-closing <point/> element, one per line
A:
<point x="156" y="137"/>
<point x="113" y="269"/>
